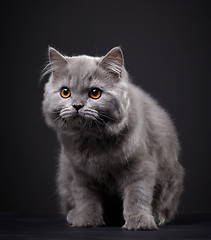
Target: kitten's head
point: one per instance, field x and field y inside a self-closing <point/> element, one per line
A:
<point x="86" y="94"/>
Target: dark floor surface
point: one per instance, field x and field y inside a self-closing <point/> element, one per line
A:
<point x="53" y="226"/>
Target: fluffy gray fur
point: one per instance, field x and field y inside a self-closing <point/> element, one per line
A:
<point x="124" y="135"/>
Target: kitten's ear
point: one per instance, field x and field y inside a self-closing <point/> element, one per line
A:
<point x="56" y="59"/>
<point x="113" y="61"/>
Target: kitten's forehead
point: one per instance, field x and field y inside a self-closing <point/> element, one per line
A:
<point x="82" y="66"/>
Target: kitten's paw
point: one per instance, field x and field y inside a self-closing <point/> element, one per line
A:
<point x="85" y="219"/>
<point x="140" y="222"/>
<point x="160" y="220"/>
<point x="70" y="216"/>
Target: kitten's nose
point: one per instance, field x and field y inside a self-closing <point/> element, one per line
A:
<point x="78" y="106"/>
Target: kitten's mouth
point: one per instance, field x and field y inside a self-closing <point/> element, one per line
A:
<point x="76" y="115"/>
<point x="66" y="113"/>
<point x="83" y="119"/>
<point x="74" y="118"/>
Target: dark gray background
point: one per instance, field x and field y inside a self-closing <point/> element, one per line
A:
<point x="167" y="51"/>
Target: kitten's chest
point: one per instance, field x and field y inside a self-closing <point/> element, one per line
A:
<point x="100" y="159"/>
<point x="106" y="178"/>
<point x="91" y="148"/>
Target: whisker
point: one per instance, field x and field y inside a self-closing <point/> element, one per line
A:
<point x="84" y="126"/>
<point x="66" y="113"/>
<point x="103" y="122"/>
<point x="65" y="109"/>
<point x="91" y="116"/>
<point x="96" y="122"/>
<point x="106" y="116"/>
<point x="57" y="118"/>
<point x="56" y="111"/>
<point x="66" y="122"/>
<point x="91" y="110"/>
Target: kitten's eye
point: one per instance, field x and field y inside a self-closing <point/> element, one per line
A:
<point x="65" y="92"/>
<point x="95" y="93"/>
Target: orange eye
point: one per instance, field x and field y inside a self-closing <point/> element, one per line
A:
<point x="65" y="92"/>
<point x="95" y="93"/>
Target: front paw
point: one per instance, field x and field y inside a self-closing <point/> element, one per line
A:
<point x="85" y="219"/>
<point x="140" y="222"/>
<point x="160" y="220"/>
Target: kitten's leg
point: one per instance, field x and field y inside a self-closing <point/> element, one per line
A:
<point x="66" y="198"/>
<point x="166" y="199"/>
<point x="138" y="198"/>
<point x="88" y="210"/>
<point x="64" y="178"/>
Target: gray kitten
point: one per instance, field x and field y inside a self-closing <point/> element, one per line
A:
<point x="112" y="134"/>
